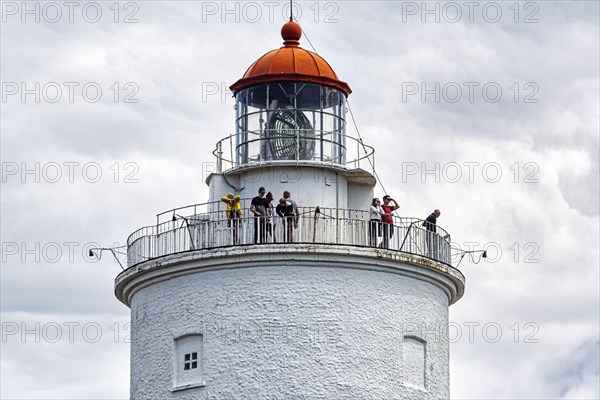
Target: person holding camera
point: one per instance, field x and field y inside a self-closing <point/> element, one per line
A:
<point x="387" y="219"/>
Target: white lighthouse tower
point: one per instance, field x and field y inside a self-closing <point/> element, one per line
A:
<point x="227" y="308"/>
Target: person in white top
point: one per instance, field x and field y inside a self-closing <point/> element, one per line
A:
<point x="375" y="214"/>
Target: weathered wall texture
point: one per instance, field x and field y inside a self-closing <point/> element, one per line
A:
<point x="293" y="332"/>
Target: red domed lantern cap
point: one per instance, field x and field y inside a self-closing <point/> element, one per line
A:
<point x="290" y="63"/>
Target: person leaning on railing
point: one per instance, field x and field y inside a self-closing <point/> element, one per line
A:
<point x="288" y="197"/>
<point x="430" y="225"/>
<point x="285" y="210"/>
<point x="233" y="213"/>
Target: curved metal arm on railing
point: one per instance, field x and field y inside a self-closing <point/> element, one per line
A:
<point x="482" y="254"/>
<point x="97" y="252"/>
<point x="187" y="223"/>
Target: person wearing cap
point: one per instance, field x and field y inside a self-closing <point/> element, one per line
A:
<point x="259" y="207"/>
<point x="233" y="213"/>
<point x="388" y="219"/>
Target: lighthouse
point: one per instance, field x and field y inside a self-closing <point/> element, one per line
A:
<point x="235" y="299"/>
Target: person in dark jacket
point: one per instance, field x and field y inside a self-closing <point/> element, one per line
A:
<point x="285" y="210"/>
<point x="431" y="221"/>
<point x="430" y="225"/>
<point x="259" y="207"/>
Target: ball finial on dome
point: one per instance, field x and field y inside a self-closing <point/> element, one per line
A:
<point x="291" y="33"/>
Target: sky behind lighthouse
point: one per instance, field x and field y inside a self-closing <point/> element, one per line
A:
<point x="488" y="111"/>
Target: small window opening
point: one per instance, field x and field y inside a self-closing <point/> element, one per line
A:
<point x="190" y="361"/>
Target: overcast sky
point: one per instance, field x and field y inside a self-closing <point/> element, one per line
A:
<point x="114" y="111"/>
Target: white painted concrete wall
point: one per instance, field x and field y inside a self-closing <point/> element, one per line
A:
<point x="360" y="197"/>
<point x="293" y="332"/>
<point x="309" y="186"/>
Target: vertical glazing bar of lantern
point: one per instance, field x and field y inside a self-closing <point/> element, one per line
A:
<point x="236" y="161"/>
<point x="339" y="130"/>
<point x="242" y="143"/>
<point x="334" y="139"/>
<point x="339" y="117"/>
<point x="268" y="114"/>
<point x="296" y="111"/>
<point x="314" y="125"/>
<point x="342" y="117"/>
<point x="321" y="101"/>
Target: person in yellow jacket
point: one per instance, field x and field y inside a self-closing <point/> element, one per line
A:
<point x="233" y="212"/>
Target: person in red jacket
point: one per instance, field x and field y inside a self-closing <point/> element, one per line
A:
<point x="388" y="219"/>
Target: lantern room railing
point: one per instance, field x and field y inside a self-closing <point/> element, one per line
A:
<point x="205" y="226"/>
<point x="262" y="148"/>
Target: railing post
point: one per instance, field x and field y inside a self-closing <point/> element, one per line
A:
<point x="315" y="224"/>
<point x="219" y="157"/>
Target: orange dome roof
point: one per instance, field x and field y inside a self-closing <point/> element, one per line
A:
<point x="290" y="63"/>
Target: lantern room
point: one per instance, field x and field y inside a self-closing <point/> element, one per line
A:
<point x="290" y="106"/>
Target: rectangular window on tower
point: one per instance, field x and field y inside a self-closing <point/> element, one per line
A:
<point x="414" y="353"/>
<point x="190" y="361"/>
<point x="187" y="365"/>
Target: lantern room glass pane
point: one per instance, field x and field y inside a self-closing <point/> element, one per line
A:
<point x="290" y="121"/>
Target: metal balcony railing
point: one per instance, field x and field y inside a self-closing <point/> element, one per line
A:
<point x="257" y="148"/>
<point x="207" y="227"/>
